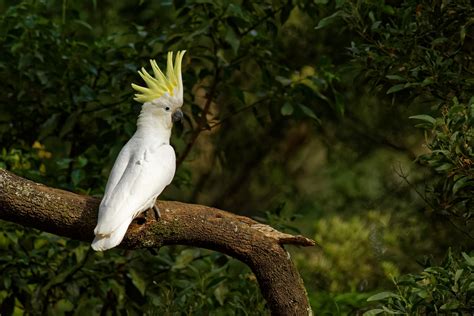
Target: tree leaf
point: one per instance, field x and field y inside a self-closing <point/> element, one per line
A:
<point x="424" y="117"/>
<point x="84" y="24"/>
<point x="306" y="110"/>
<point x="396" y="88"/>
<point x="340" y="104"/>
<point x="444" y="167"/>
<point x="49" y="126"/>
<point x="232" y="39"/>
<point x="138" y="281"/>
<point x="77" y="176"/>
<point x="69" y="124"/>
<point x="381" y="296"/>
<point x="469" y="259"/>
<point x="328" y="20"/>
<point x="372" y="312"/>
<point x="461" y="183"/>
<point x="450" y="305"/>
<point x="457" y="275"/>
<point x="220" y="293"/>
<point x="185" y="257"/>
<point x="287" y="109"/>
<point x="396" y="77"/>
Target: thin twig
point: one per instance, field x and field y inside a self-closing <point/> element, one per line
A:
<point x="459" y="228"/>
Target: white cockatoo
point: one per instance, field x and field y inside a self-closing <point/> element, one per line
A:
<point x="147" y="163"/>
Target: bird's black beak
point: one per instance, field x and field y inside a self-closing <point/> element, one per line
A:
<point x="177" y="115"/>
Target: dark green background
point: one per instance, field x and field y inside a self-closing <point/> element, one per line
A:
<point x="307" y="128"/>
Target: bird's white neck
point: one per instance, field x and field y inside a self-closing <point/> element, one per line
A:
<point x="150" y="123"/>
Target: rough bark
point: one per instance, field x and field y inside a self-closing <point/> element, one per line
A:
<point x="258" y="245"/>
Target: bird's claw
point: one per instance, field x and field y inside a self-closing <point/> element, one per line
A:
<point x="156" y="210"/>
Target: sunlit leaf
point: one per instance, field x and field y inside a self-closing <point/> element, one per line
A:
<point x="424" y="117"/>
<point x="138" y="281"/>
<point x="372" y="312"/>
<point x="382" y="296"/>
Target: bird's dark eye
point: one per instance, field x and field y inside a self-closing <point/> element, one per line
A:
<point x="167" y="108"/>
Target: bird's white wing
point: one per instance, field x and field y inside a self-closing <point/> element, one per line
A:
<point x="146" y="174"/>
<point x="118" y="169"/>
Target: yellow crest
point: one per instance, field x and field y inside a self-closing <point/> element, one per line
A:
<point x="160" y="84"/>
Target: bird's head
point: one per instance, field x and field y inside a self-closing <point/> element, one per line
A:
<point x="164" y="93"/>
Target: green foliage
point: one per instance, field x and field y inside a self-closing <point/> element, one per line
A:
<point x="290" y="107"/>
<point x="417" y="53"/>
<point x="379" y="252"/>
<point x="411" y="57"/>
<point x="349" y="303"/>
<point x="66" y="111"/>
<point x="414" y="49"/>
<point x="41" y="65"/>
<point x="437" y="290"/>
<point x="384" y="245"/>
<point x="452" y="156"/>
<point x="39" y="277"/>
<point x="24" y="163"/>
<point x="74" y="82"/>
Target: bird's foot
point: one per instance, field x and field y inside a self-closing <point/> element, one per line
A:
<point x="144" y="217"/>
<point x="156" y="210"/>
<point x="141" y="218"/>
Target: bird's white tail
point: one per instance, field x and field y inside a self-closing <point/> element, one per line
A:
<point x="104" y="242"/>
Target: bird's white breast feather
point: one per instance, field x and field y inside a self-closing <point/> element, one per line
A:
<point x="136" y="181"/>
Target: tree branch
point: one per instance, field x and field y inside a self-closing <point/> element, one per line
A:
<point x="258" y="245"/>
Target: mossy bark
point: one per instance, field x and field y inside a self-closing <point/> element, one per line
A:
<point x="259" y="246"/>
